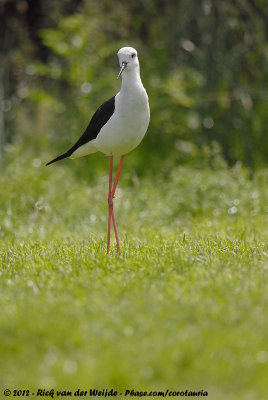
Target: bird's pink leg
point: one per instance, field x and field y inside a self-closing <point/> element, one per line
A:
<point x="116" y="233"/>
<point x="110" y="203"/>
<point x="117" y="174"/>
<point x="113" y="192"/>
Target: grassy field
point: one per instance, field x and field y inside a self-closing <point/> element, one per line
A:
<point x="184" y="308"/>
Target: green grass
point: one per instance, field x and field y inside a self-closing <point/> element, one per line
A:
<point x="184" y="308"/>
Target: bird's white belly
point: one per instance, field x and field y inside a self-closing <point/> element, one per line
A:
<point x="125" y="129"/>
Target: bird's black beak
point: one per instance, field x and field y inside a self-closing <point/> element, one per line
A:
<point x="123" y="66"/>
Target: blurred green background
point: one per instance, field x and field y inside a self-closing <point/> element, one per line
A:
<point x="203" y="63"/>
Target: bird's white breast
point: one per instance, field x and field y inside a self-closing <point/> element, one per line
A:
<point x="128" y="125"/>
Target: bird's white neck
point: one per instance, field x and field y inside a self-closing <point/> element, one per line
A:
<point x="131" y="79"/>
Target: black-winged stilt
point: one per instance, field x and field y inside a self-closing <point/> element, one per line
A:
<point x="117" y="127"/>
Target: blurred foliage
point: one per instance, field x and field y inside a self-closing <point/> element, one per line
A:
<point x="203" y="63"/>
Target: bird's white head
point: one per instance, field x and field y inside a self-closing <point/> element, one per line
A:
<point x="128" y="60"/>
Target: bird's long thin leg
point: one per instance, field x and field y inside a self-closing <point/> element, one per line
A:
<point x="116" y="233"/>
<point x="113" y="192"/>
<point x="117" y="174"/>
<point x="110" y="203"/>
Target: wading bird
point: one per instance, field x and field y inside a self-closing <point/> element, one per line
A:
<point x="117" y="127"/>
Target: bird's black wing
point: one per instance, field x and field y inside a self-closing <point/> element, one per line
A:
<point x="99" y="119"/>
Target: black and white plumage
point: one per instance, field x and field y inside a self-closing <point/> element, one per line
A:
<point x="118" y="125"/>
<point x="99" y="119"/>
